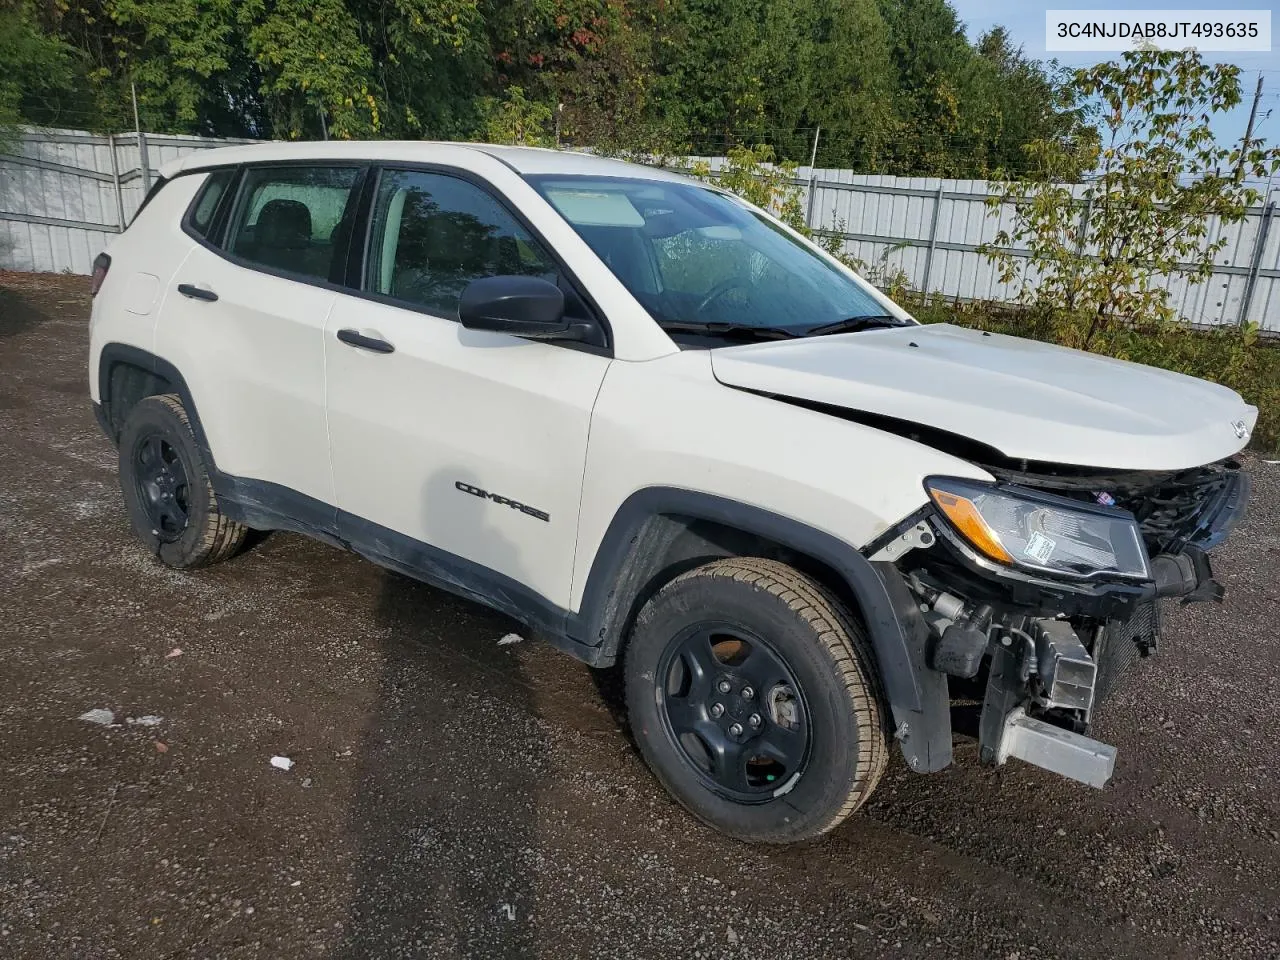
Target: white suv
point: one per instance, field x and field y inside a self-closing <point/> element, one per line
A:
<point x="663" y="429"/>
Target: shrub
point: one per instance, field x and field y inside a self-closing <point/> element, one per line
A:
<point x="1154" y="178"/>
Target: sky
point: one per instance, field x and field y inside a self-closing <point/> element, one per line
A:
<point x="1024" y="19"/>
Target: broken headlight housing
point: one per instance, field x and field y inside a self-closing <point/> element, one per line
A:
<point x="1041" y="533"/>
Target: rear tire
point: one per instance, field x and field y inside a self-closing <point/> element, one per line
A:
<point x="170" y="499"/>
<point x="754" y="697"/>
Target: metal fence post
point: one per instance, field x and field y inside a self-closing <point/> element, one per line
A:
<point x="813" y="179"/>
<point x="1082" y="229"/>
<point x="115" y="180"/>
<point x="1255" y="261"/>
<point x="142" y="145"/>
<point x="143" y="161"/>
<point x="933" y="244"/>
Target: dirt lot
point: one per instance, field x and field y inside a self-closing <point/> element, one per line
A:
<point x="452" y="797"/>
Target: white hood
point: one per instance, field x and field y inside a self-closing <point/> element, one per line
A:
<point x="1028" y="400"/>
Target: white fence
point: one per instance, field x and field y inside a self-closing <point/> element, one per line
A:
<point x="932" y="228"/>
<point x="63" y="193"/>
<point x="66" y="192"/>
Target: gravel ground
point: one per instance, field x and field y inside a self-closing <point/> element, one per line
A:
<point x="452" y="797"/>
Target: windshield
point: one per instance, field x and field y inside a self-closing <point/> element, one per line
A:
<point x="696" y="257"/>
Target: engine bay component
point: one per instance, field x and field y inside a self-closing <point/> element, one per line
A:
<point x="959" y="650"/>
<point x="1186" y="575"/>
<point x="1054" y="576"/>
<point x="1067" y="673"/>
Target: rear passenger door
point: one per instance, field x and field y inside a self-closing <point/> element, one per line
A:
<point x="244" y="322"/>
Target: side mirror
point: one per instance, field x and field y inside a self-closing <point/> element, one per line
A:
<point x="523" y="306"/>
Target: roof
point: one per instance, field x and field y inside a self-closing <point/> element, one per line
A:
<point x="524" y="160"/>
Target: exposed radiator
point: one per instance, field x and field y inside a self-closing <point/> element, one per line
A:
<point x="1122" y="642"/>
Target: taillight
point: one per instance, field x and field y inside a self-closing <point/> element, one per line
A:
<point x="101" y="264"/>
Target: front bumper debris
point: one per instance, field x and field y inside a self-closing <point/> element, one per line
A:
<point x="1051" y="650"/>
<point x="1041" y="694"/>
<point x="1063" y="752"/>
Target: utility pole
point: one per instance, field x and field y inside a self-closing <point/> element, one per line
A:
<point x="813" y="159"/>
<point x="1248" y="131"/>
<point x="559" y="110"/>
<point x="142" y="142"/>
<point x="324" y="126"/>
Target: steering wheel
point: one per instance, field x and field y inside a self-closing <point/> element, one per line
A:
<point x="719" y="290"/>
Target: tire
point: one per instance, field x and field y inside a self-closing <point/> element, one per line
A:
<point x="171" y="504"/>
<point x="811" y="744"/>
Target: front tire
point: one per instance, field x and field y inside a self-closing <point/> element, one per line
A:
<point x="171" y="503"/>
<point x="753" y="696"/>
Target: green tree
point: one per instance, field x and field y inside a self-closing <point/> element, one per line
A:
<point x="185" y="58"/>
<point x="175" y="51"/>
<point x="853" y="99"/>
<point x="893" y="83"/>
<point x="516" y="119"/>
<point x="738" y="71"/>
<point x="589" y="61"/>
<point x="1156" y="177"/>
<point x="964" y="110"/>
<point x="928" y="47"/>
<point x="313" y="62"/>
<point x="1027" y="100"/>
<point x="431" y="64"/>
<point x="37" y="71"/>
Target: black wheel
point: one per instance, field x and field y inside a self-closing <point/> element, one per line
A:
<point x="753" y="696"/>
<point x="166" y="487"/>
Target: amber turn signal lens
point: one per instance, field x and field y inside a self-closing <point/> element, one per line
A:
<point x="964" y="516"/>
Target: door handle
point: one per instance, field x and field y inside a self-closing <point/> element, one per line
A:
<point x="196" y="293"/>
<point x="357" y="339"/>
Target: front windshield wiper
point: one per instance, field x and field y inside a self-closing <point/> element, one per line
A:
<point x="744" y="330"/>
<point x="854" y="324"/>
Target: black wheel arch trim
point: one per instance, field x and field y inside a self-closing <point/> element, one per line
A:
<point x="116" y="353"/>
<point x="917" y="695"/>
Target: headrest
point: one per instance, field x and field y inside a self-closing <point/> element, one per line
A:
<point x="284" y="223"/>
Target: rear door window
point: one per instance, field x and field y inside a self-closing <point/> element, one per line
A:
<point x="295" y="219"/>
<point x="205" y="205"/>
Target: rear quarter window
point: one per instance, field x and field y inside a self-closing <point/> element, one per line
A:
<point x="205" y="205"/>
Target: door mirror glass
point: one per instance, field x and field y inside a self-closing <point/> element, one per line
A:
<point x="523" y="306"/>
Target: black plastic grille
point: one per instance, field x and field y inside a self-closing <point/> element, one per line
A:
<point x="1197" y="506"/>
<point x="1121" y="643"/>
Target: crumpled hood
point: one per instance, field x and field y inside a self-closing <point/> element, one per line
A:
<point x="1028" y="400"/>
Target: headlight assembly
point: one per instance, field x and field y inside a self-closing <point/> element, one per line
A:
<point x="1039" y="532"/>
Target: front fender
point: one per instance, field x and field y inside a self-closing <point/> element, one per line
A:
<point x="616" y="584"/>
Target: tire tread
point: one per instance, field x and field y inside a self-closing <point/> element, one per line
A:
<point x="845" y="642"/>
<point x="220" y="537"/>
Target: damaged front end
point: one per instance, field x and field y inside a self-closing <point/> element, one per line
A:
<point x="1040" y="589"/>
